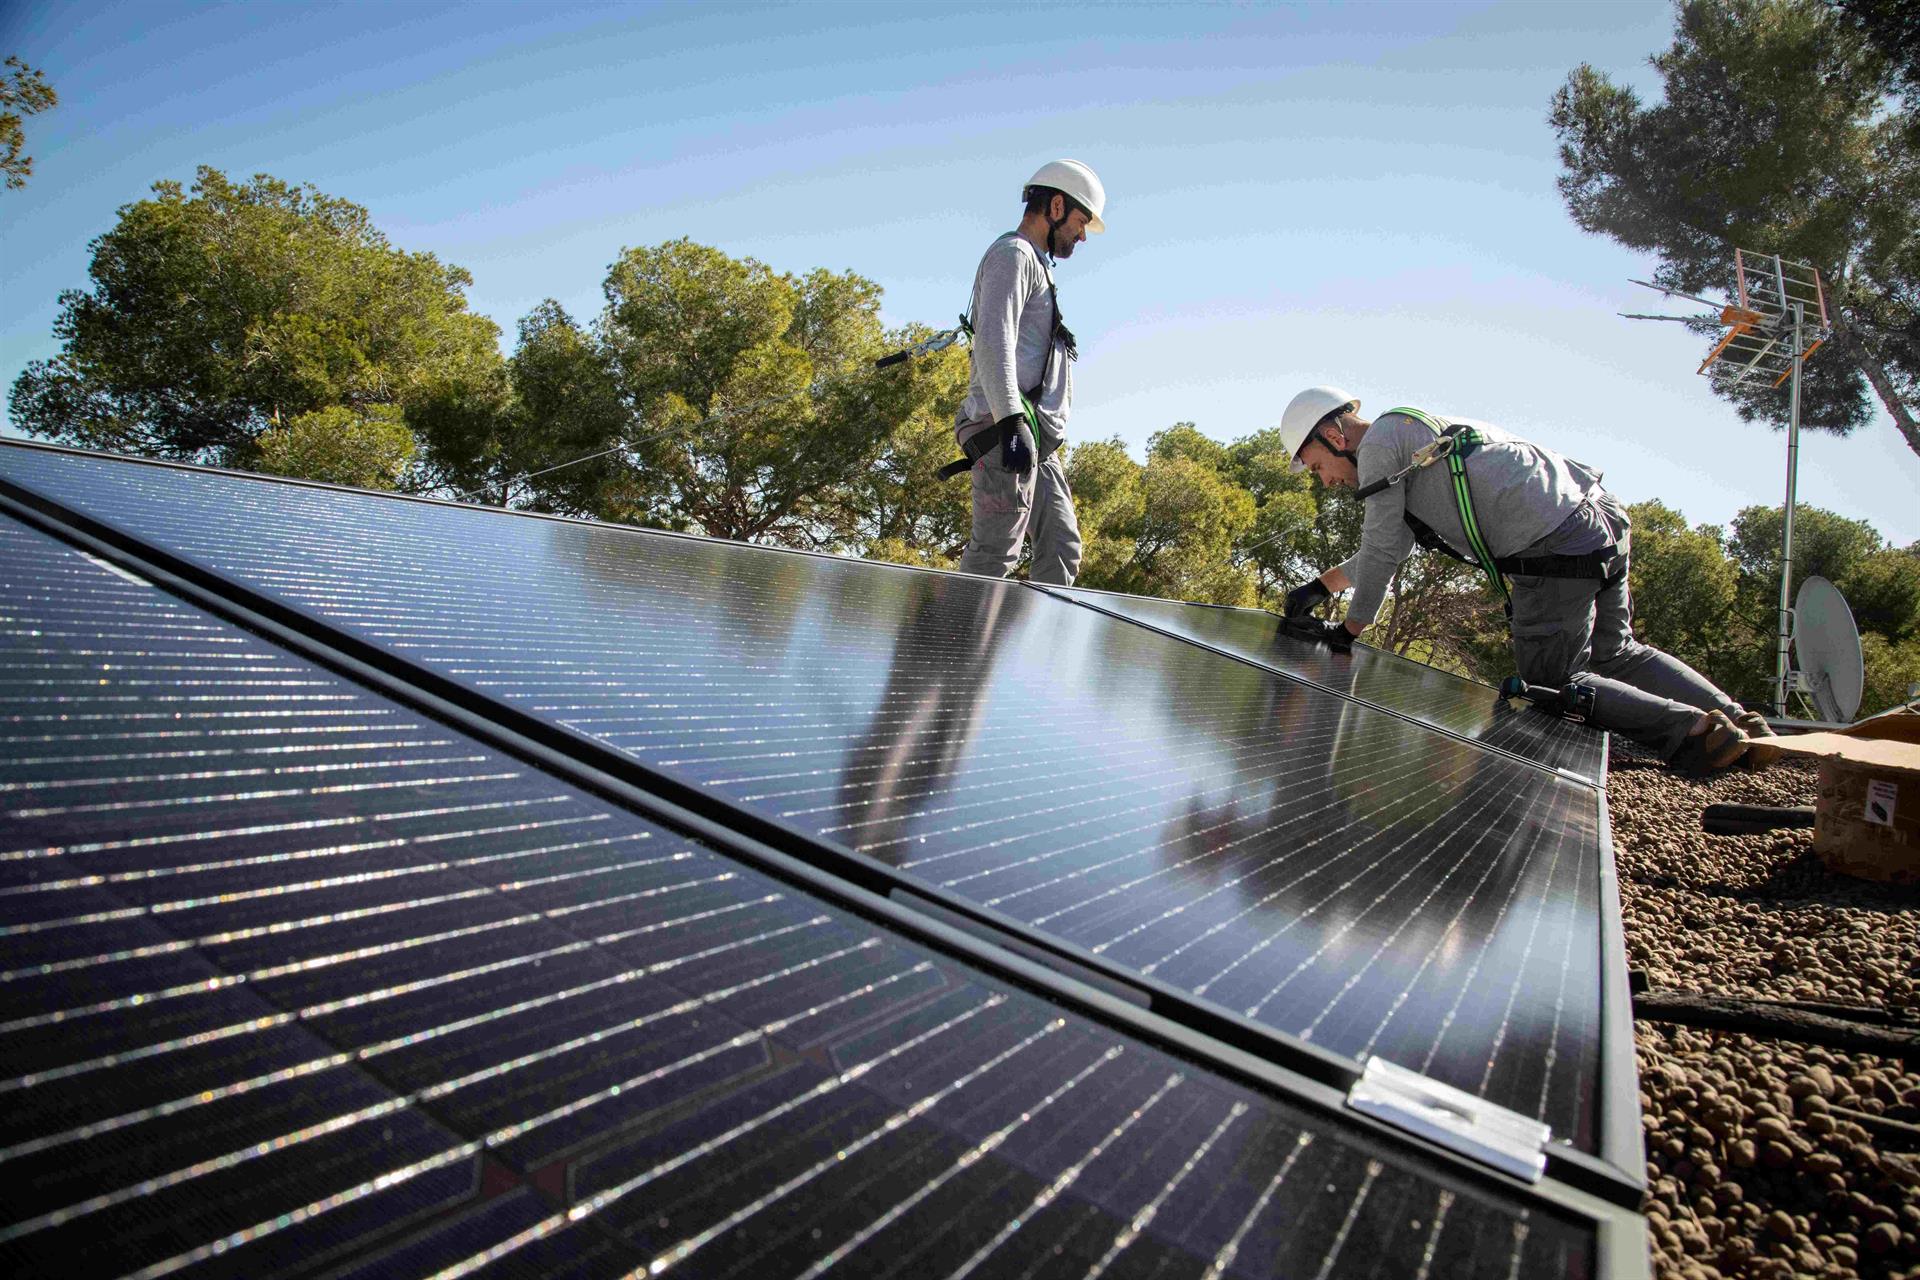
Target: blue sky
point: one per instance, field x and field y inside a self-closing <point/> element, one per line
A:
<point x="1359" y="194"/>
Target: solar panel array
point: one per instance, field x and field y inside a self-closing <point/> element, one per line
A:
<point x="302" y="981"/>
<point x="1328" y="870"/>
<point x="1423" y="693"/>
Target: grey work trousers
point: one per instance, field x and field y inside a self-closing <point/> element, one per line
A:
<point x="1580" y="631"/>
<point x="1009" y="506"/>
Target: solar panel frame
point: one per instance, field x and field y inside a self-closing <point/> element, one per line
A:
<point x="1616" y="1169"/>
<point x="1621" y="1250"/>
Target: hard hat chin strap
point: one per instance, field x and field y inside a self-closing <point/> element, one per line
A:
<point x="1347" y="455"/>
<point x="1067" y="205"/>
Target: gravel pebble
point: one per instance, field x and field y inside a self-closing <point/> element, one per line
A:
<point x="1765" y="1157"/>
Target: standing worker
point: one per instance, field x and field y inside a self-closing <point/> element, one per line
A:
<point x="1014" y="418"/>
<point x="1522" y="513"/>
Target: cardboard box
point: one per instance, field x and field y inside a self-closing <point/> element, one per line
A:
<point x="1866" y="819"/>
<point x="1899" y="725"/>
<point x="1891" y="753"/>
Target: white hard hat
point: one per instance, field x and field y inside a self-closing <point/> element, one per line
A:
<point x="1303" y="414"/>
<point x="1077" y="181"/>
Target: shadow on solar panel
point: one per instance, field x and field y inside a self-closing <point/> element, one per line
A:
<point x="1280" y="856"/>
<point x="300" y="981"/>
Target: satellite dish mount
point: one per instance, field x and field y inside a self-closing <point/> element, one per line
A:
<point x="1827" y="643"/>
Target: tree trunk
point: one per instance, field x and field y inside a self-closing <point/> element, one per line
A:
<point x="1902" y="416"/>
<point x="1391" y="641"/>
<point x="1883" y="387"/>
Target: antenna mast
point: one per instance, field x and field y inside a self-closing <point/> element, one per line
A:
<point x="1779" y="319"/>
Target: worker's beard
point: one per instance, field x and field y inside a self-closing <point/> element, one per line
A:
<point x="1055" y="245"/>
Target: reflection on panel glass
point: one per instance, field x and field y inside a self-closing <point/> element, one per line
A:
<point x="299" y="981"/>
<point x="1327" y="869"/>
<point x="1425" y="693"/>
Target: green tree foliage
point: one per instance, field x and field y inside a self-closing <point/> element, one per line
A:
<point x="1282" y="548"/>
<point x="1168" y="528"/>
<point x="1824" y="543"/>
<point x="466" y="415"/>
<point x="1108" y="502"/>
<point x="1881" y="584"/>
<point x="1682" y="582"/>
<point x="527" y="432"/>
<point x="1892" y="27"/>
<point x="898" y="508"/>
<point x="1778" y="132"/>
<point x="1276" y="547"/>
<point x="1711" y="597"/>
<point x="368" y="449"/>
<point x="1687" y="601"/>
<point x="1336" y="526"/>
<point x="23" y="92"/>
<point x="217" y="315"/>
<point x="1191" y="518"/>
<point x="567" y="407"/>
<point x="751" y="394"/>
<point x="1883" y="590"/>
<point x="1183" y="440"/>
<point x="1892" y="670"/>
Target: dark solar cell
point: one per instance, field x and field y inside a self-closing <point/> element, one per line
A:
<point x="1425" y="693"/>
<point x="478" y="1022"/>
<point x="1325" y="868"/>
<point x="458" y="1241"/>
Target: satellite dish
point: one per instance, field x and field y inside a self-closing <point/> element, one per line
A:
<point x="1827" y="643"/>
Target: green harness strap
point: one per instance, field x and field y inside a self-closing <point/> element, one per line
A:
<point x="1469" y="440"/>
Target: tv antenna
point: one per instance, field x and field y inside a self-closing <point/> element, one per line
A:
<point x="1827" y="643"/>
<point x="1775" y="322"/>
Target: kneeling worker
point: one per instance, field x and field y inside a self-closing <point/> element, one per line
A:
<point x="1518" y="512"/>
<point x="1021" y="386"/>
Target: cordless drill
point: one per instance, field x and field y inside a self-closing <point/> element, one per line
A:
<point x="1574" y="701"/>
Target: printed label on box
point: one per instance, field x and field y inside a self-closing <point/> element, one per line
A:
<point x="1881" y="798"/>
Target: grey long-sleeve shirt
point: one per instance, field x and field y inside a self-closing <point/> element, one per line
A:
<point x="1521" y="493"/>
<point x="1012" y="328"/>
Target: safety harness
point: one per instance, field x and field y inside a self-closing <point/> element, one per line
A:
<point x="1453" y="443"/>
<point x="982" y="442"/>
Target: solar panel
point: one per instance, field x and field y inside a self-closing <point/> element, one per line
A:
<point x="1328" y="870"/>
<point x="299" y="981"/>
<point x="1427" y="694"/>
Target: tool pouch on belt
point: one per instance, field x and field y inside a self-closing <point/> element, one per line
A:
<point x="1015" y="454"/>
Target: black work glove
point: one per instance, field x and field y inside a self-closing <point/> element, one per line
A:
<point x="1301" y="599"/>
<point x="1332" y="634"/>
<point x="1015" y="453"/>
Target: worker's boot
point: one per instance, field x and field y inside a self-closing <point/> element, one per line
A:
<point x="1753" y="724"/>
<point x="1715" y="743"/>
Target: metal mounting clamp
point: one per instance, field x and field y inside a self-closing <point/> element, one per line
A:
<point x="1458" y="1121"/>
